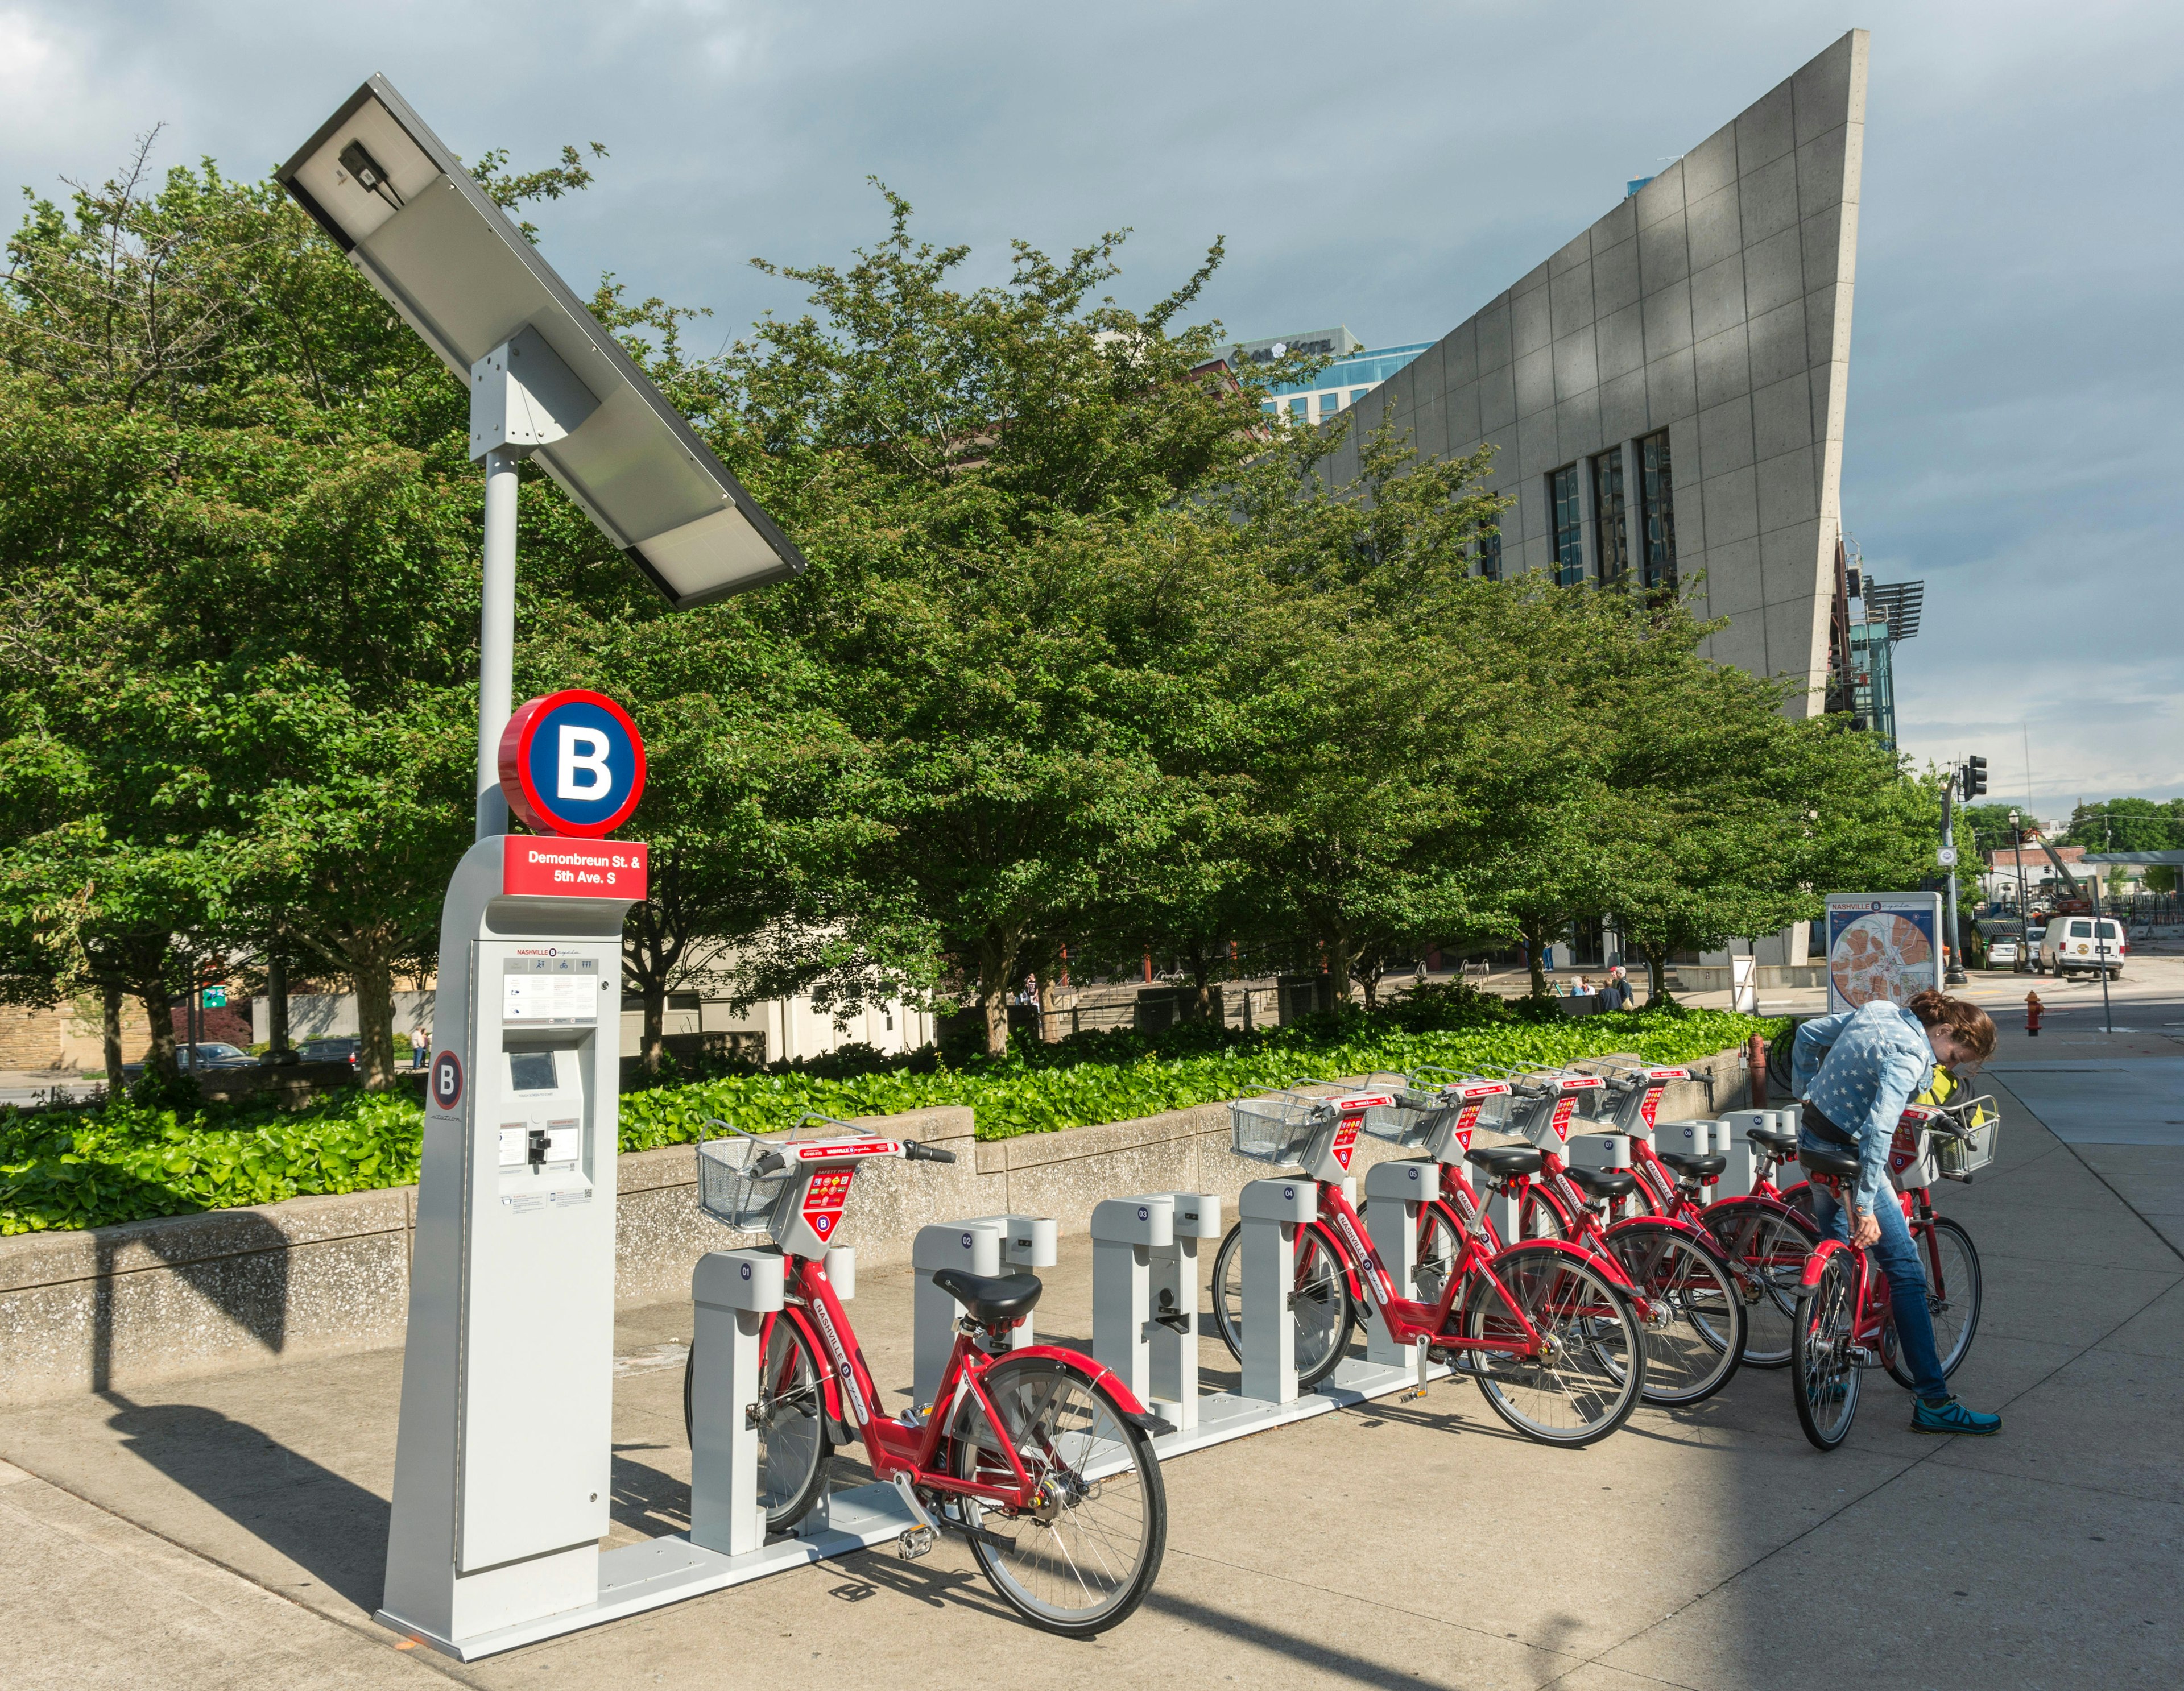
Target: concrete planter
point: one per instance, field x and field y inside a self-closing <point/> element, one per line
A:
<point x="121" y="1307"/>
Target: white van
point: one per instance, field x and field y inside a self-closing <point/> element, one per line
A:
<point x="2070" y="947"/>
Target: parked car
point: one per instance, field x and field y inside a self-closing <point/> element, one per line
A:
<point x="2002" y="953"/>
<point x="205" y="1055"/>
<point x="331" y="1050"/>
<point x="2069" y="947"/>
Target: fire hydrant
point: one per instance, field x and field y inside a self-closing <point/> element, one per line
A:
<point x="2032" y="1007"/>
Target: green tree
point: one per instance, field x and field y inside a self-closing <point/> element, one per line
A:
<point x="964" y="468"/>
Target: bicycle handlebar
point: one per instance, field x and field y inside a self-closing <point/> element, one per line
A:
<point x="914" y="1152"/>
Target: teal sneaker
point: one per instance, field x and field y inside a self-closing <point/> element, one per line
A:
<point x="1948" y="1415"/>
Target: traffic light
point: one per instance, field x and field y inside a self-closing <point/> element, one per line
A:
<point x="1975" y="774"/>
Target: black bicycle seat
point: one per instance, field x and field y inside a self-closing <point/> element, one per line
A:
<point x="1773" y="1139"/>
<point x="991" y="1297"/>
<point x="1600" y="1182"/>
<point x="1693" y="1165"/>
<point x="1505" y="1160"/>
<point x="1818" y="1161"/>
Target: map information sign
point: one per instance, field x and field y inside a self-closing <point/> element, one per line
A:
<point x="1882" y="945"/>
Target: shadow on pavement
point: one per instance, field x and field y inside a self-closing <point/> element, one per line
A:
<point x="330" y="1527"/>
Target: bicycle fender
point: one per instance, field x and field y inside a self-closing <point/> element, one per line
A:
<point x="1722" y="1208"/>
<point x="1601" y="1264"/>
<point x="1096" y="1372"/>
<point x="1690" y="1230"/>
<point x="1818" y="1261"/>
<point x="838" y="1431"/>
<point x="1340" y="1253"/>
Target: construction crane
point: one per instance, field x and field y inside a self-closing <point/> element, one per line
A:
<point x="2074" y="900"/>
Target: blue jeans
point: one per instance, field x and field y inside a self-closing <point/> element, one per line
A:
<point x="1898" y="1254"/>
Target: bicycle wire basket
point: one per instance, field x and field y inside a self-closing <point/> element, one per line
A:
<point x="1423" y="1107"/>
<point x="741" y="1182"/>
<point x="1413" y="1116"/>
<point x="1277" y="1128"/>
<point x="1968" y="1144"/>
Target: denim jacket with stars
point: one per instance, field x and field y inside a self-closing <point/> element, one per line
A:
<point x="1860" y="1069"/>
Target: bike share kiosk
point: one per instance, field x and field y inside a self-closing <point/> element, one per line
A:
<point x="501" y="1470"/>
<point x="502" y="1462"/>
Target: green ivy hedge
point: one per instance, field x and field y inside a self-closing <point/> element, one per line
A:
<point x="126" y="1161"/>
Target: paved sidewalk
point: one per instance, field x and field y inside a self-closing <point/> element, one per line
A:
<point x="231" y="1533"/>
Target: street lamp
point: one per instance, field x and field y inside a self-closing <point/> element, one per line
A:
<point x="546" y="381"/>
<point x="2023" y="913"/>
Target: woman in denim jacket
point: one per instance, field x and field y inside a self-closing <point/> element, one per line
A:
<point x="1855" y="1073"/>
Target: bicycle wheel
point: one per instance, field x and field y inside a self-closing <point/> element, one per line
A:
<point x="1084" y="1552"/>
<point x="1320" y="1304"/>
<point x="1766" y="1247"/>
<point x="1949" y="1259"/>
<point x="1440" y="1250"/>
<point x="1592" y="1371"/>
<point x="1540" y="1217"/>
<point x="793" y="1449"/>
<point x="1693" y="1324"/>
<point x="1823" y="1375"/>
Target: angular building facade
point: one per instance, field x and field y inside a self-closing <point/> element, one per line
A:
<point x="1665" y="394"/>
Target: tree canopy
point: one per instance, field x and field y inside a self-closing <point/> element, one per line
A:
<point x="1092" y="658"/>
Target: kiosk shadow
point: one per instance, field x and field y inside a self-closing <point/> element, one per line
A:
<point x="327" y="1525"/>
<point x="236" y="1261"/>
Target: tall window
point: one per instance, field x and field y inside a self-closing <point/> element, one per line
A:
<point x="1607" y="512"/>
<point x="1569" y="526"/>
<point x="1489" y="554"/>
<point x="1656" y="513"/>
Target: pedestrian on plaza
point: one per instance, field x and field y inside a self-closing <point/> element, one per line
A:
<point x="1855" y="1073"/>
<point x="1616" y="994"/>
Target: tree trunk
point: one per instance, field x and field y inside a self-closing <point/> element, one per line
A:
<point x="1657" y="973"/>
<point x="997" y="959"/>
<point x="1341" y="960"/>
<point x="1535" y="949"/>
<point x="109" y="1019"/>
<point x="276" y="1002"/>
<point x="655" y="1022"/>
<point x="374" y="980"/>
<point x="1202" y="973"/>
<point x="150" y="981"/>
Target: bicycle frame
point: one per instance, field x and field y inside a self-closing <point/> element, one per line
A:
<point x="1408" y="1321"/>
<point x="903" y="1450"/>
<point x="1875" y="1305"/>
<point x="897" y="1447"/>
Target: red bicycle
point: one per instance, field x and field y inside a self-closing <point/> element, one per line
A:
<point x="1844" y="1321"/>
<point x="1040" y="1458"/>
<point x="1544" y="1327"/>
<point x="1765" y="1235"/>
<point x="1682" y="1290"/>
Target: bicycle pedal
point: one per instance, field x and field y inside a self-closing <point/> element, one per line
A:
<point x="1410" y="1394"/>
<point x="913" y="1542"/>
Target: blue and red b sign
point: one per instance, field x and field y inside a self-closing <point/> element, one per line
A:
<point x="572" y="763"/>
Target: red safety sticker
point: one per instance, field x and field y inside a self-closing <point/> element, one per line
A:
<point x="1345" y="1141"/>
<point x="1563" y="1111"/>
<point x="1651" y="1106"/>
<point x="824" y="1197"/>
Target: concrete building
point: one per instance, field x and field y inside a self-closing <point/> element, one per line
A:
<point x="1665" y="393"/>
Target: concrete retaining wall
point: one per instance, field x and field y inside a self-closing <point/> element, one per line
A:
<point x="118" y="1307"/>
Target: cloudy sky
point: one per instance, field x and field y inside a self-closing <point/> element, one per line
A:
<point x="2014" y="433"/>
